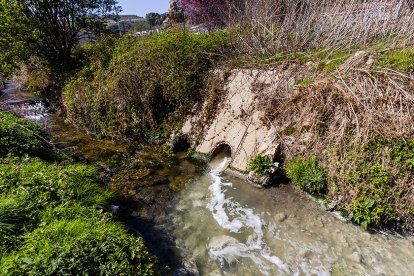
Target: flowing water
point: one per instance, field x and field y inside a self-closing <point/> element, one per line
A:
<point x="224" y="226"/>
<point x="63" y="135"/>
<point x="228" y="227"/>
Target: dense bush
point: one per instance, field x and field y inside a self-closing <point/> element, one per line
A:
<point x="19" y="137"/>
<point x="307" y="174"/>
<point x="146" y="88"/>
<point x="261" y="165"/>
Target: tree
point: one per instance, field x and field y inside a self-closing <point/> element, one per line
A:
<point x="14" y="30"/>
<point x="155" y="19"/>
<point x="52" y="28"/>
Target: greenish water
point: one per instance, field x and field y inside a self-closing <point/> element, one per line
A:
<point x="227" y="227"/>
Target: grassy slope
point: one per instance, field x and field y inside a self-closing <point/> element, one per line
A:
<point x="51" y="217"/>
<point x="356" y="121"/>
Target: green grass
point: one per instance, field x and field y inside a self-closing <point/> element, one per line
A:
<point x="51" y="216"/>
<point x="307" y="174"/>
<point x="79" y="246"/>
<point x="332" y="61"/>
<point x="304" y="82"/>
<point x="19" y="136"/>
<point x="401" y="60"/>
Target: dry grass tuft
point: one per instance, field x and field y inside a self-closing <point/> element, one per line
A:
<point x="268" y="27"/>
<point x="358" y="121"/>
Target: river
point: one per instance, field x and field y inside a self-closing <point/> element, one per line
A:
<point x="220" y="225"/>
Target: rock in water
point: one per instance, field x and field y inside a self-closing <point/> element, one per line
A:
<point x="259" y="181"/>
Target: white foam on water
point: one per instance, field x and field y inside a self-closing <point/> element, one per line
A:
<point x="244" y="219"/>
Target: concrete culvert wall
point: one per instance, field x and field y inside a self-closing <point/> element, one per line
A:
<point x="221" y="149"/>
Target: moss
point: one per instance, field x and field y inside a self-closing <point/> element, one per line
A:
<point x="332" y="61"/>
<point x="401" y="60"/>
<point x="178" y="183"/>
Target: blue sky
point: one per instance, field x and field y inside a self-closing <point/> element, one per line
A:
<point x="142" y="7"/>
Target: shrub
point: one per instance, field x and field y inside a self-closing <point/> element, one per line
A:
<point x="146" y="88"/>
<point x="80" y="246"/>
<point x="20" y="137"/>
<point x="307" y="174"/>
<point x="261" y="165"/>
<point x="34" y="75"/>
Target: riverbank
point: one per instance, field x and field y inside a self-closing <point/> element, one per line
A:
<point x="142" y="179"/>
<point x="52" y="212"/>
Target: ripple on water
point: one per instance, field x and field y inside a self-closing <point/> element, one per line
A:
<point x="247" y="231"/>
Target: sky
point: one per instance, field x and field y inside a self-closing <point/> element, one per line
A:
<point x="142" y="7"/>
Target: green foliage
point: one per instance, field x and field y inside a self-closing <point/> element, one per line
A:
<point x="119" y="99"/>
<point x="401" y="60"/>
<point x="14" y="35"/>
<point x="261" y="165"/>
<point x="304" y="82"/>
<point x="51" y="216"/>
<point x="332" y="61"/>
<point x="365" y="212"/>
<point x="373" y="173"/>
<point x="33" y="75"/>
<point x="19" y="136"/>
<point x="403" y="153"/>
<point x="362" y="212"/>
<point x="50" y="31"/>
<point x="79" y="246"/>
<point x="307" y="174"/>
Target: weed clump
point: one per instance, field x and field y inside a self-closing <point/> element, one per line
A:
<point x="261" y="165"/>
<point x="307" y="174"/>
<point x="79" y="246"/>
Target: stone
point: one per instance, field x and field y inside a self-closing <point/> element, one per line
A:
<point x="259" y="181"/>
<point x="262" y="181"/>
<point x="191" y="267"/>
<point x="355" y="257"/>
<point x="281" y="217"/>
<point x="180" y="272"/>
<point x="331" y="206"/>
<point x="114" y="209"/>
